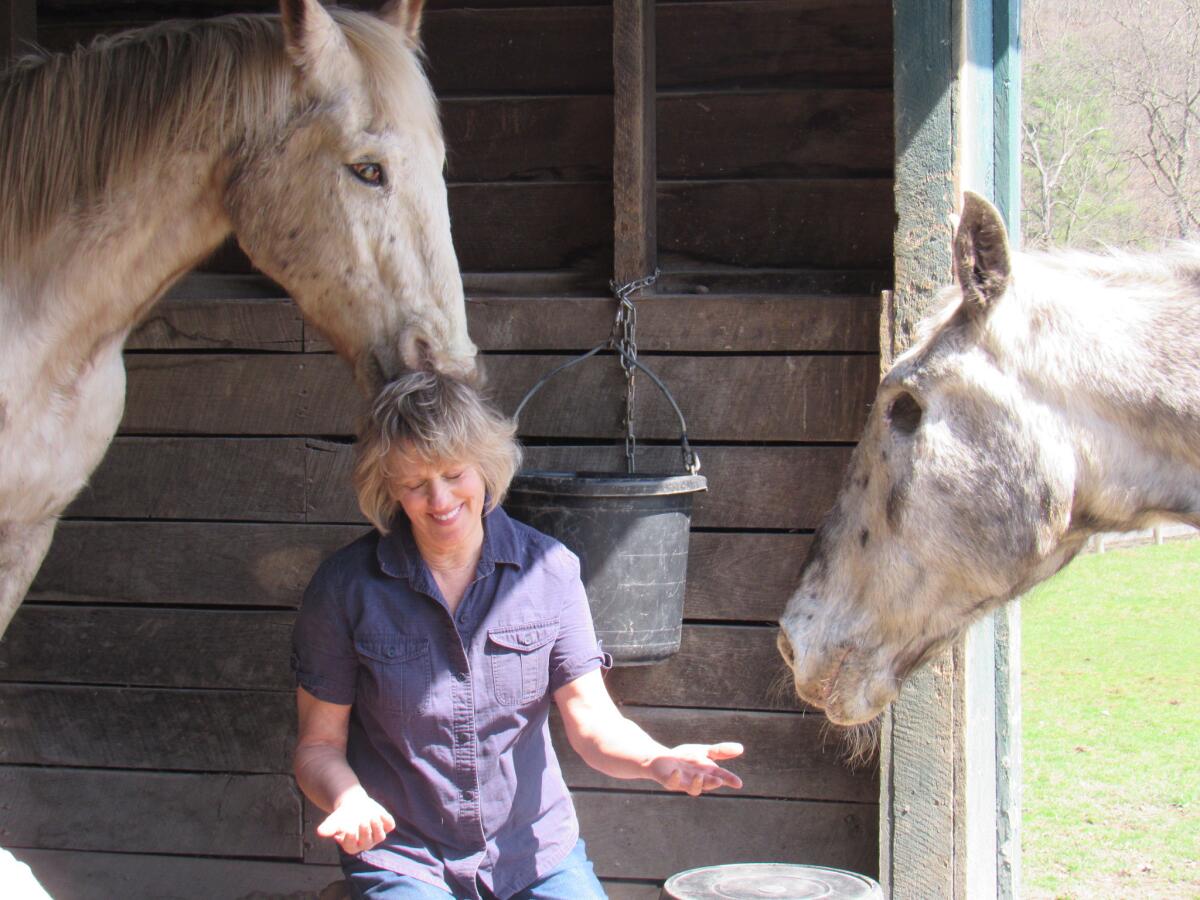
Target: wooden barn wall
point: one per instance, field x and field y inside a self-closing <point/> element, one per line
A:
<point x="145" y="697"/>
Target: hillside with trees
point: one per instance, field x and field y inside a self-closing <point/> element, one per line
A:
<point x="1111" y="143"/>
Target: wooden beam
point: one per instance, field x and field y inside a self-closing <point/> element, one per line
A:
<point x="918" y="753"/>
<point x="634" y="225"/>
<point x="18" y="27"/>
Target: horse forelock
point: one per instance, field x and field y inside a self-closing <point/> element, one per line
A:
<point x="396" y="80"/>
<point x="78" y="126"/>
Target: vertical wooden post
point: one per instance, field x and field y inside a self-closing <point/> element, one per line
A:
<point x="634" y="229"/>
<point x="920" y="803"/>
<point x="950" y="776"/>
<point x="1006" y="94"/>
<point x="18" y="27"/>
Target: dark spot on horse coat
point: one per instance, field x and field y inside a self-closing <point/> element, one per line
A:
<point x="896" y="501"/>
<point x="864" y="537"/>
<point x="814" y="561"/>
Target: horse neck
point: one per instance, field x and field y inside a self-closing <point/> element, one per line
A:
<point x="1127" y="396"/>
<point x="90" y="278"/>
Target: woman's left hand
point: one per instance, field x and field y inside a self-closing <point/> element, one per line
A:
<point x="691" y="768"/>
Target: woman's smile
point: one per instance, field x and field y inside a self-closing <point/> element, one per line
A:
<point x="443" y="500"/>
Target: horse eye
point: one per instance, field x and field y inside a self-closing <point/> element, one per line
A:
<point x="369" y="173"/>
<point x="905" y="414"/>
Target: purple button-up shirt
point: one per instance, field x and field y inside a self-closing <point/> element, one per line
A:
<point x="449" y="726"/>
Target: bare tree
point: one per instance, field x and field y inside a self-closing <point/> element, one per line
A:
<point x="1151" y="63"/>
<point x="1072" y="170"/>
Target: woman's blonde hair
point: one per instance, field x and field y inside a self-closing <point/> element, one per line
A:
<point x="431" y="418"/>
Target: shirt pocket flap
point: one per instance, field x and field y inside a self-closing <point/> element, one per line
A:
<point x="524" y="638"/>
<point x="390" y="648"/>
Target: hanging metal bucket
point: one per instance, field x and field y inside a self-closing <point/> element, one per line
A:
<point x="630" y="532"/>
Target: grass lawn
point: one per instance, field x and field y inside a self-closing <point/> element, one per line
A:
<point x="1110" y="674"/>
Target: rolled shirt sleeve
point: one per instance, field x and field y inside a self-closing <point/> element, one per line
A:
<point x="324" y="662"/>
<point x="576" y="651"/>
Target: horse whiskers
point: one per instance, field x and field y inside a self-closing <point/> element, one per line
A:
<point x="859" y="743"/>
<point x="780" y="688"/>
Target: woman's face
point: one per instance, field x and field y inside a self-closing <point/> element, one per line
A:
<point x="443" y="500"/>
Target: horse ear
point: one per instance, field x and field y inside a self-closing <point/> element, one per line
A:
<point x="405" y="15"/>
<point x="316" y="45"/>
<point x="982" y="262"/>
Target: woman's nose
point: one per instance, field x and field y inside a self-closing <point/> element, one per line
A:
<point x="439" y="493"/>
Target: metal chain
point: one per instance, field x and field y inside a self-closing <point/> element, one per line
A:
<point x="624" y="341"/>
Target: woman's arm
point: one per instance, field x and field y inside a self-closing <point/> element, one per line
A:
<point x="617" y="746"/>
<point x="356" y="821"/>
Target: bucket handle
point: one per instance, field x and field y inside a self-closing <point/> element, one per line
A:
<point x="691" y="461"/>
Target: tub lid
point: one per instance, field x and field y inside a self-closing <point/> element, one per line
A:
<point x="605" y="484"/>
<point x="778" y="881"/>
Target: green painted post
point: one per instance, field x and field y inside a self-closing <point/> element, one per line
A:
<point x="1006" y="89"/>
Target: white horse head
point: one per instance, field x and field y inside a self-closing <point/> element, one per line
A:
<point x="1050" y="399"/>
<point x="346" y="208"/>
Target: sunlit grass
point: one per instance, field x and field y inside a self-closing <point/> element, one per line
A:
<point x="1111" y="726"/>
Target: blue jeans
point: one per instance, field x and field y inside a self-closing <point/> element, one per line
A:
<point x="574" y="879"/>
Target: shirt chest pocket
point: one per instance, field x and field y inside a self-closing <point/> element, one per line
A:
<point x="398" y="672"/>
<point x="520" y="661"/>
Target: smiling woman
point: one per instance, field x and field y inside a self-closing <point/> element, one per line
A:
<point x="426" y="657"/>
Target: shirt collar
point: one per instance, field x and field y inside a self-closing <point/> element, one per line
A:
<point x="399" y="557"/>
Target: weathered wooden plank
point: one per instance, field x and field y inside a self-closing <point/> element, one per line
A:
<point x="490" y="51"/>
<point x="718" y="666"/>
<point x="748" y="487"/>
<point x="634" y="155"/>
<point x="236" y="394"/>
<point x="838" y="223"/>
<point x="788" y="756"/>
<point x="72" y="875"/>
<point x="221" y="312"/>
<point x="149" y="812"/>
<point x="773" y="223"/>
<point x="733" y="44"/>
<point x="682" y="323"/>
<point x="741" y="577"/>
<point x="792" y="398"/>
<point x="757" y="398"/>
<point x="147" y="10"/>
<point x="681" y="275"/>
<point x="654" y="836"/>
<point x="246" y="479"/>
<point x="774" y="43"/>
<point x="555" y="138"/>
<point x="776" y="134"/>
<point x="156" y="648"/>
<point x="534" y="225"/>
<point x="207" y="311"/>
<point x="186" y="563"/>
<point x="181" y="478"/>
<point x="722" y="666"/>
<point x="124" y="728"/>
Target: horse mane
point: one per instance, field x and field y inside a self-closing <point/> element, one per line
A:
<point x="78" y="126"/>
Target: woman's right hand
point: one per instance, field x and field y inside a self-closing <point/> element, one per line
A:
<point x="358" y="823"/>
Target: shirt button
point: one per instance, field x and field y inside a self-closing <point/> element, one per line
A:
<point x="525" y="639"/>
<point x="391" y="651"/>
<point x="468" y="794"/>
<point x="461" y="676"/>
